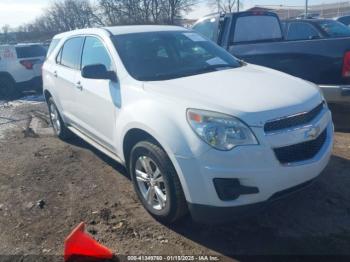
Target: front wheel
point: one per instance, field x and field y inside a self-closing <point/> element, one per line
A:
<point x="156" y="182"/>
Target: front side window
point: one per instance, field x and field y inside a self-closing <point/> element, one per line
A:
<point x="94" y="52"/>
<point x="71" y="53"/>
<point x="155" y="56"/>
<point x="208" y="28"/>
<point x="257" y="28"/>
<point x="301" y="31"/>
<point x="334" y="28"/>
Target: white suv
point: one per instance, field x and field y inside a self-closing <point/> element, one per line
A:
<point x="196" y="128"/>
<point x="20" y="68"/>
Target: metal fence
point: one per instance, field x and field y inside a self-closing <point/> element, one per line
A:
<point x="323" y="10"/>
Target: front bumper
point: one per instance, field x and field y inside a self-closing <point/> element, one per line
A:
<point x="219" y="215"/>
<point x="336" y="93"/>
<point x="254" y="166"/>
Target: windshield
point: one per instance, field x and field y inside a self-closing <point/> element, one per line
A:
<point x="334" y="28"/>
<point x="155" y="56"/>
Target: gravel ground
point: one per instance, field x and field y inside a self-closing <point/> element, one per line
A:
<point x="47" y="187"/>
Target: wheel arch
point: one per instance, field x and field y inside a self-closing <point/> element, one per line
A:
<point x="47" y="95"/>
<point x="137" y="134"/>
<point x="131" y="138"/>
<point x="8" y="75"/>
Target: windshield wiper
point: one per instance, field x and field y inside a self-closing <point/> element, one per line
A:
<point x="211" y="68"/>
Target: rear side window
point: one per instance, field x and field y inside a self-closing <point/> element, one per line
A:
<point x="53" y="45"/>
<point x="30" y="51"/>
<point x="94" y="52"/>
<point x="301" y="31"/>
<point x="208" y="28"/>
<point x="334" y="28"/>
<point x="256" y="28"/>
<point x="345" y="20"/>
<point x="71" y="53"/>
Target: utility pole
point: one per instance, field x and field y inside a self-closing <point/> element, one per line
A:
<point x="238" y="7"/>
<point x="306" y="8"/>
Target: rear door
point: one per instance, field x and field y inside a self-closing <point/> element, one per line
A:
<point x="65" y="74"/>
<point x="98" y="101"/>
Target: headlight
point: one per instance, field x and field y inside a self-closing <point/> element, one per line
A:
<point x="223" y="132"/>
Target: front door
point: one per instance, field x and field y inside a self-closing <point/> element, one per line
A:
<point x="98" y="101"/>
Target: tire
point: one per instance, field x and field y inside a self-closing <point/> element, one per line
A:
<point x="8" y="89"/>
<point x="161" y="175"/>
<point x="59" y="127"/>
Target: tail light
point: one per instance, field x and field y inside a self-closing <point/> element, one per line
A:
<point x="346" y="65"/>
<point x="29" y="64"/>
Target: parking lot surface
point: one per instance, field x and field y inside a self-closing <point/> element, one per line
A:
<point x="47" y="187"/>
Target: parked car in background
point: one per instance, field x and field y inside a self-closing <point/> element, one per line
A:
<point x="344" y="19"/>
<point x="258" y="38"/>
<point x="196" y="128"/>
<point x="20" y="68"/>
<point x="308" y="29"/>
<point x="308" y="16"/>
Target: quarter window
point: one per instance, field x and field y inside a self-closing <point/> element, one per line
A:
<point x="53" y="45"/>
<point x="94" y="52"/>
<point x="71" y="53"/>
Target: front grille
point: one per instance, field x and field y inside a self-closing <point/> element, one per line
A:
<point x="293" y="121"/>
<point x="301" y="152"/>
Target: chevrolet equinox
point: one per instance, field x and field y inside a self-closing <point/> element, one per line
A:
<point x="197" y="129"/>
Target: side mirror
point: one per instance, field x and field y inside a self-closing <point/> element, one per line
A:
<point x="98" y="71"/>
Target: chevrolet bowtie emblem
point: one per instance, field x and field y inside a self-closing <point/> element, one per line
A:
<point x="313" y="132"/>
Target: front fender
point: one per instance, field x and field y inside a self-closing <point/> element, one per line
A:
<point x="168" y="125"/>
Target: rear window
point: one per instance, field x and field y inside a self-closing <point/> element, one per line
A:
<point x="30" y="51"/>
<point x="257" y="28"/>
<point x="334" y="28"/>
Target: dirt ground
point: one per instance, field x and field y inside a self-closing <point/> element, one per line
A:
<point x="47" y="187"/>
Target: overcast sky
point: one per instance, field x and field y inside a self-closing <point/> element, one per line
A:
<point x="17" y="12"/>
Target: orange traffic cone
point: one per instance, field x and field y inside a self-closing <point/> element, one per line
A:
<point x="80" y="244"/>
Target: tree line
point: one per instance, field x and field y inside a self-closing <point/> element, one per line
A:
<point x="67" y="15"/>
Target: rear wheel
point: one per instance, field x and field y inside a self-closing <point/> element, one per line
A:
<point x="156" y="182"/>
<point x="58" y="125"/>
<point x="8" y="89"/>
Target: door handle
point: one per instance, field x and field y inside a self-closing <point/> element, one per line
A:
<point x="55" y="74"/>
<point x="79" y="86"/>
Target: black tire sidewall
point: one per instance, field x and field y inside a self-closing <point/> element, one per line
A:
<point x="161" y="159"/>
<point x="8" y="88"/>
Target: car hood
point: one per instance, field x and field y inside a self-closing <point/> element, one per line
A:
<point x="254" y="94"/>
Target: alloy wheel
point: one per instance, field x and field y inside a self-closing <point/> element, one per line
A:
<point x="55" y="119"/>
<point x="151" y="183"/>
